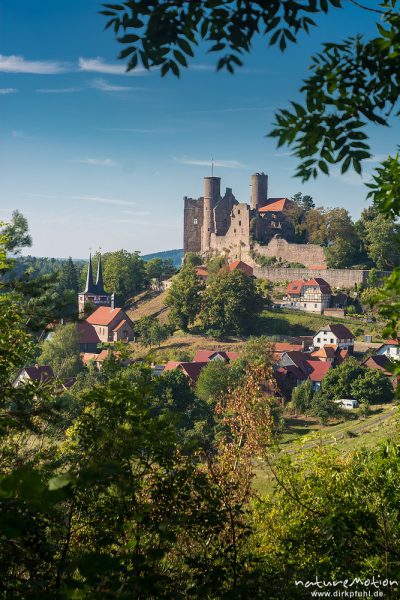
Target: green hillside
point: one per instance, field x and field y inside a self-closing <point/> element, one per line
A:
<point x="175" y="255"/>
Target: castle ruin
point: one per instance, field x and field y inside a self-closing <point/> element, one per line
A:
<point x="221" y="225"/>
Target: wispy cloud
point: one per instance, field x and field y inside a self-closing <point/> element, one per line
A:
<point x="99" y="162"/>
<point x="18" y="64"/>
<point x="70" y="90"/>
<point x="225" y="164"/>
<point x="7" y="91"/>
<point x="103" y="86"/>
<point x="98" y="65"/>
<point x="20" y="135"/>
<point x="102" y="200"/>
<point x="283" y="154"/>
<point x="136" y="213"/>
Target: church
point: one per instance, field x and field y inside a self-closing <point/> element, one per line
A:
<point x="94" y="292"/>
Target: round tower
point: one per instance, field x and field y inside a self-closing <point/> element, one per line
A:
<point x="211" y="197"/>
<point x="259" y="190"/>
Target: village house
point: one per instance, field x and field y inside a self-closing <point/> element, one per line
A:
<point x="296" y="367"/>
<point x="391" y="349"/>
<point x="312" y="295"/>
<point x="35" y="373"/>
<point x="191" y="370"/>
<point x="98" y="359"/>
<point x="43" y="375"/>
<point x="336" y="335"/>
<point x="111" y="324"/>
<point x="213" y="355"/>
<point x="239" y="265"/>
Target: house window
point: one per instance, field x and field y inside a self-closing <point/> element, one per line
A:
<point x="315" y="306"/>
<point x="332" y="341"/>
<point x="194" y="221"/>
<point x="239" y="212"/>
<point x="318" y="340"/>
<point x="305" y="305"/>
<point x="240" y="223"/>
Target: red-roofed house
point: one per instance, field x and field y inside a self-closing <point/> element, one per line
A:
<point x="318" y="371"/>
<point x="111" y="324"/>
<point x="87" y="336"/>
<point x="190" y="369"/>
<point x="391" y="349"/>
<point x="335" y="334"/>
<point x="239" y="265"/>
<point x="312" y="295"/>
<point x="211" y="355"/>
<point x="202" y="273"/>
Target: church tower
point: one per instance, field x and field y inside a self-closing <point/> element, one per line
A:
<point x="93" y="293"/>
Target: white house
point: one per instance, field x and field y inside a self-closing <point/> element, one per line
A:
<point x="390" y="348"/>
<point x="312" y="295"/>
<point x="334" y="335"/>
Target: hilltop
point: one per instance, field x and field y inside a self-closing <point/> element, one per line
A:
<point x="175" y="255"/>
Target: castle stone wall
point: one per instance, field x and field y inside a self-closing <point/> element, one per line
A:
<point x="236" y="241"/>
<point x="339" y="278"/>
<point x="307" y="254"/>
<point x="193" y="221"/>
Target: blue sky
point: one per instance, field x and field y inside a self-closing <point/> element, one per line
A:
<point x="95" y="157"/>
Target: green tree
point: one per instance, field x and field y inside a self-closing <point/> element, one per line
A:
<point x="156" y="268"/>
<point x="372" y="388"/>
<point x="213" y="382"/>
<point x="306" y="202"/>
<point x="68" y="277"/>
<point x="61" y="351"/>
<point x="226" y="25"/>
<point x="184" y="297"/>
<point x="382" y="241"/>
<point x="337" y="382"/>
<point x="151" y="331"/>
<point x="258" y="352"/>
<point x="124" y="273"/>
<point x="340" y="254"/>
<point x="302" y="397"/>
<point x="193" y="259"/>
<point x="230" y="304"/>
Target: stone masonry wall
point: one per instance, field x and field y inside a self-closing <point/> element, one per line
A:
<point x="193" y="221"/>
<point x="339" y="278"/>
<point x="306" y="254"/>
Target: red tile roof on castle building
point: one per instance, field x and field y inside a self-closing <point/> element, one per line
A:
<point x="103" y="315"/>
<point x="276" y="205"/>
<point x="207" y="355"/>
<point x="239" y="265"/>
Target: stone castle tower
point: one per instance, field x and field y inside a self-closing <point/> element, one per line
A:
<point x="94" y="291"/>
<point x="216" y="224"/>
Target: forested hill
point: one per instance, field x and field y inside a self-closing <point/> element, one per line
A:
<point x="175" y="255"/>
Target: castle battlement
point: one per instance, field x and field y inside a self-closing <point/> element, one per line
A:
<point x="215" y="224"/>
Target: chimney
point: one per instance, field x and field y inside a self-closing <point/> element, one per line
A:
<point x="112" y="301"/>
